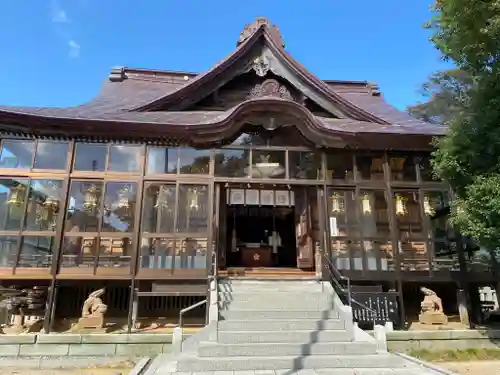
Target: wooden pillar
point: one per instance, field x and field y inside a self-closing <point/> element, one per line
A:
<point x="132" y="306"/>
<point x="50" y="307"/>
<point x="394" y="237"/>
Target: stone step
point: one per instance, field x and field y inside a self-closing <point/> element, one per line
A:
<point x="285" y="349"/>
<point x="273" y="286"/>
<point x="198" y="364"/>
<point x="302" y="337"/>
<point x="281" y="325"/>
<point x="277" y="304"/>
<point x="285" y="282"/>
<point x="270" y="289"/>
<point x="267" y="314"/>
<point x="252" y="296"/>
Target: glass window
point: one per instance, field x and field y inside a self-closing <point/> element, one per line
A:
<point x="339" y="166"/>
<point x="84" y="206"/>
<point x="162" y="160"/>
<point x="426" y="172"/>
<point x="115" y="252"/>
<point x="158" y="212"/>
<point x="268" y="164"/>
<point x="232" y="163"/>
<point x="191" y="253"/>
<point x="408" y="217"/>
<point x="436" y="210"/>
<point x="343" y="251"/>
<point x="119" y="207"/>
<point x="305" y="165"/>
<point x="374" y="214"/>
<point x="193" y="161"/>
<point x="79" y="252"/>
<point x="13" y="197"/>
<point x="8" y="251"/>
<point x="342" y="214"/>
<point x="17" y="154"/>
<point x="402" y="167"/>
<point x="90" y="157"/>
<point x="51" y="155"/>
<point x="379" y="255"/>
<point x="45" y="200"/>
<point x="36" y="252"/>
<point x="125" y="158"/>
<point x="414" y="256"/>
<point x="370" y="167"/>
<point x="192" y="209"/>
<point x="157" y="253"/>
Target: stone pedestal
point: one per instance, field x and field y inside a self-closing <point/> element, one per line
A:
<point x="430" y="317"/>
<point x="90" y="322"/>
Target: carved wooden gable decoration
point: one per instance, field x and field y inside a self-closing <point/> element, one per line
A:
<point x="270" y="88"/>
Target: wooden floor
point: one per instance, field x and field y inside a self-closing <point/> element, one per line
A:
<point x="266" y="273"/>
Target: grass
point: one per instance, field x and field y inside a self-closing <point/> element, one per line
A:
<point x="456" y="355"/>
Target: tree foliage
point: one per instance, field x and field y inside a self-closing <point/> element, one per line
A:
<point x="468" y="157"/>
<point x="447" y="94"/>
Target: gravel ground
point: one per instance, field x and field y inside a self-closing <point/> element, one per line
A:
<point x="472" y="367"/>
<point x="66" y="366"/>
<point x="103" y="371"/>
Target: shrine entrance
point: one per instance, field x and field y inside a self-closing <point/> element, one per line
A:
<point x="261" y="236"/>
<point x="265" y="226"/>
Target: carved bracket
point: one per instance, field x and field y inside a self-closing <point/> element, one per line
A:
<point x="270" y="88"/>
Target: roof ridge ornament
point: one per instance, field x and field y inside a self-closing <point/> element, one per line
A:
<point x="251" y="28"/>
<point x="117" y="74"/>
<point x="374" y="89"/>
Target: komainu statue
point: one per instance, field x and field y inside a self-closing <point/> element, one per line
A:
<point x="431" y="308"/>
<point x="93" y="312"/>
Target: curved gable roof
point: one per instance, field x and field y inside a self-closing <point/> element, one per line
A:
<point x="275" y="45"/>
<point x="131" y="98"/>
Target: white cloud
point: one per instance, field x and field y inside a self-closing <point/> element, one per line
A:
<point x="62" y="26"/>
<point x="57" y="13"/>
<point x="74" y="49"/>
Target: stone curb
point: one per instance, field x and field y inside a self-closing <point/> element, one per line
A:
<point x="425" y="364"/>
<point x="141" y="366"/>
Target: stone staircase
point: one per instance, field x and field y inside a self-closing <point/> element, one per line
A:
<point x="283" y="325"/>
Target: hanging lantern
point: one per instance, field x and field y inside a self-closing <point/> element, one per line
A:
<point x="17" y="196"/>
<point x="123" y="202"/>
<point x="162" y="197"/>
<point x="193" y="199"/>
<point x="91" y="198"/>
<point x="428" y="209"/>
<point x="48" y="212"/>
<point x="366" y="206"/>
<point x="337" y="204"/>
<point x="400" y="205"/>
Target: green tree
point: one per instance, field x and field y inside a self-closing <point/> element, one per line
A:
<point x="446" y="93"/>
<point x="468" y="157"/>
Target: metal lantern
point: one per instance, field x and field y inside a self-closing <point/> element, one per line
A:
<point x="337" y="203"/>
<point x="193" y="199"/>
<point x="366" y="206"/>
<point x="17" y="196"/>
<point x="91" y="198"/>
<point x="162" y="197"/>
<point x="123" y="204"/>
<point x="428" y="209"/>
<point x="401" y="209"/>
<point x="48" y="212"/>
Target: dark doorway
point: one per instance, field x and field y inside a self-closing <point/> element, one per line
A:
<point x="260" y="236"/>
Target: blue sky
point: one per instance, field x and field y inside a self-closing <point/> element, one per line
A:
<point x="58" y="52"/>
